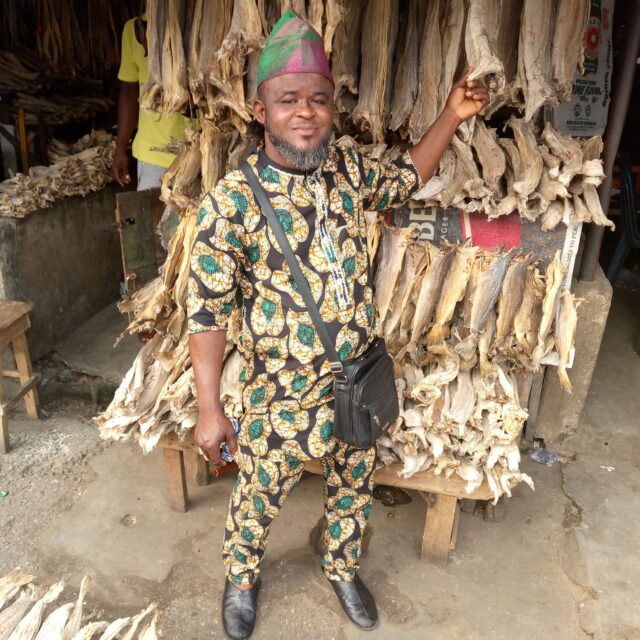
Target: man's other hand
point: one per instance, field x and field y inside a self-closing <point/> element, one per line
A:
<point x="467" y="97"/>
<point x="211" y="431"/>
<point x="120" y="169"/>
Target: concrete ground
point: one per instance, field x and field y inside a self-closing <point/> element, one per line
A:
<point x="563" y="565"/>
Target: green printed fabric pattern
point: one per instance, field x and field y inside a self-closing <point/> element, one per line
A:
<point x="266" y="479"/>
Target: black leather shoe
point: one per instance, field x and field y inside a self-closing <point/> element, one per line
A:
<point x="239" y="610"/>
<point x="357" y="602"/>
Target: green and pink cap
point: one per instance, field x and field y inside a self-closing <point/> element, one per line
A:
<point x="293" y="46"/>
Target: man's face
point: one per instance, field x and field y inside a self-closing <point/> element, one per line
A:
<point x="297" y="112"/>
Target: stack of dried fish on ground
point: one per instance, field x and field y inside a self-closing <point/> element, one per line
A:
<point x="73" y="175"/>
<point x="27" y="612"/>
<point x="467" y="327"/>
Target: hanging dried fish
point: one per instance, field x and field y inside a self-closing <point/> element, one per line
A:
<point x="567" y="52"/>
<point x="425" y="109"/>
<point x="376" y="28"/>
<point x="534" y="55"/>
<point x="480" y="43"/>
<point x="565" y="334"/>
<point x="345" y="57"/>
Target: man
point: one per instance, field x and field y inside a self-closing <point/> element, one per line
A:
<point x="319" y="192"/>
<point x="154" y="129"/>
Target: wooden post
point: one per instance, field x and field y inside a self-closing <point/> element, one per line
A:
<point x="25" y="372"/>
<point x="197" y="469"/>
<point x="176" y="480"/>
<point x="439" y="528"/>
<point x="22" y="138"/>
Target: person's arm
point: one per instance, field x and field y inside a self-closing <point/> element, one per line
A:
<point x="213" y="426"/>
<point x="127" y="121"/>
<point x="467" y="99"/>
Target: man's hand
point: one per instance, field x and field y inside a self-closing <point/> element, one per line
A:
<point x="211" y="431"/>
<point x="120" y="168"/>
<point x="467" y="97"/>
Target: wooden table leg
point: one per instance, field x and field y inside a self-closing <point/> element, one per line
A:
<point x="176" y="479"/>
<point x="4" y="419"/>
<point x="439" y="528"/>
<point x="198" y="470"/>
<point x="23" y="362"/>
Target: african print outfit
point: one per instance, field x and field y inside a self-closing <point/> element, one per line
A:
<point x="288" y="386"/>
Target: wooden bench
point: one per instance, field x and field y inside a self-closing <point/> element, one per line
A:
<point x="184" y="466"/>
<point x="14" y="322"/>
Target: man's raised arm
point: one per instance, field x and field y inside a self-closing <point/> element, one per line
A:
<point x="467" y="99"/>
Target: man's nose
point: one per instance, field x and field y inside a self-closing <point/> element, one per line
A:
<point x="305" y="109"/>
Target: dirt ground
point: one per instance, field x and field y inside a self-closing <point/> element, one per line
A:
<point x="563" y="565"/>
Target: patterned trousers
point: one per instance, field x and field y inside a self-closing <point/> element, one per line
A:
<point x="271" y="465"/>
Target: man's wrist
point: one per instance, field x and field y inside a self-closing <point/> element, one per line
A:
<point x="450" y="115"/>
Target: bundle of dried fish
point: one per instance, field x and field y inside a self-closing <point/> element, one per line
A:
<point x="23" y="606"/>
<point x="73" y="175"/>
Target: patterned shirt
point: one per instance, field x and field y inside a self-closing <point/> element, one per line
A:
<point x="236" y="261"/>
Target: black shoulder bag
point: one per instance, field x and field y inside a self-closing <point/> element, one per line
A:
<point x="365" y="397"/>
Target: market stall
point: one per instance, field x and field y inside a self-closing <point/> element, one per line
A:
<point x="473" y="278"/>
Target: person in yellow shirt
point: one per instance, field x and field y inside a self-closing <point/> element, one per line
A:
<point x="154" y="129"/>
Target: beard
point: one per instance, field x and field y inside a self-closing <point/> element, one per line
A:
<point x="299" y="158"/>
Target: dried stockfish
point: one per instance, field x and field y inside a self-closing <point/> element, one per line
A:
<point x="425" y="109"/>
<point x="553" y="281"/>
<point x="11" y="584"/>
<point x="567" y="52"/>
<point x="29" y="625"/>
<point x="174" y="65"/>
<point x="394" y="245"/>
<point x="345" y="57"/>
<point x="510" y="297"/>
<point x="376" y="27"/>
<point x="157" y="13"/>
<point x="452" y="23"/>
<point x="54" y="625"/>
<point x="75" y="621"/>
<point x="480" y="43"/>
<point x="487" y="289"/>
<point x="406" y="80"/>
<point x="429" y="293"/>
<point x="534" y="56"/>
<point x="10" y="616"/>
<point x="490" y="154"/>
<point x="453" y="290"/>
<point x="565" y="334"/>
<point x="90" y="630"/>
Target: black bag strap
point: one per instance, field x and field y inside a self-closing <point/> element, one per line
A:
<point x="294" y="267"/>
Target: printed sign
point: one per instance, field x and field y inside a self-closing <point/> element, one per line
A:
<point x="586" y="113"/>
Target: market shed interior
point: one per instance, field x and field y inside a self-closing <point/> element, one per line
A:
<point x="538" y="195"/>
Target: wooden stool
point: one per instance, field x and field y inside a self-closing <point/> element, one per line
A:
<point x="14" y="322"/>
<point x="440" y="494"/>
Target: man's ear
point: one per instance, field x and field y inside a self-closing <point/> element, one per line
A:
<point x="259" y="110"/>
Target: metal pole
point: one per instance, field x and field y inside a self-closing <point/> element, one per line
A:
<point x="617" y="115"/>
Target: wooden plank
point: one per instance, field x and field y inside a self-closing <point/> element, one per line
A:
<point x="25" y="389"/>
<point x="438" y="528"/>
<point x="10" y="333"/>
<point x="176" y="480"/>
<point x="534" y="406"/>
<point x="23" y="362"/>
<point x="197" y="469"/>
<point x="424" y="481"/>
<point x="137" y="213"/>
<point x="12" y="310"/>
